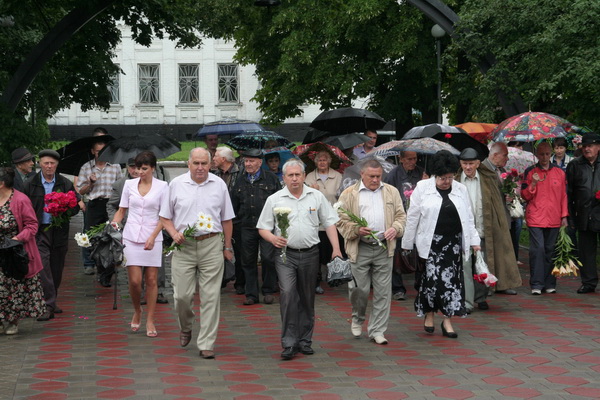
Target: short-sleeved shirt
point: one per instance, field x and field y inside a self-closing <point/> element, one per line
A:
<point x="105" y="177"/>
<point x="187" y="199"/>
<point x="308" y="211"/>
<point x="142" y="216"/>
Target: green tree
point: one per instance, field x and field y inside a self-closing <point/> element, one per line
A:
<point x="332" y="52"/>
<point x="83" y="68"/>
<point x="549" y="50"/>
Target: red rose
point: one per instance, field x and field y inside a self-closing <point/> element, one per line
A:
<point x="598" y="195"/>
<point x="448" y="135"/>
<point x="514" y="172"/>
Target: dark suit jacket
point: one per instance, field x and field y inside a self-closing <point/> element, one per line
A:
<point x="19" y="181"/>
<point x="34" y="189"/>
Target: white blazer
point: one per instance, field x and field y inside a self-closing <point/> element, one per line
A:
<point x="423" y="212"/>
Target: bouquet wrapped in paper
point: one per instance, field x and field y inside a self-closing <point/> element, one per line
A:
<point x="361" y="222"/>
<point x="482" y="272"/>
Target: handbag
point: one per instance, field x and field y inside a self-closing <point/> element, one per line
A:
<point x="338" y="272"/>
<point x="515" y="208"/>
<point x="14" y="259"/>
<point x="408" y="262"/>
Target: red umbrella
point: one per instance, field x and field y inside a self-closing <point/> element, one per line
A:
<point x="478" y="130"/>
<point x="307" y="153"/>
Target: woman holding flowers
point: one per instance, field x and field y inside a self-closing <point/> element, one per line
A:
<point x="441" y="225"/>
<point x="142" y="236"/>
<point x="19" y="298"/>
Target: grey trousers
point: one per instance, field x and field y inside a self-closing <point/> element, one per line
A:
<point x="297" y="280"/>
<point x="372" y="267"/>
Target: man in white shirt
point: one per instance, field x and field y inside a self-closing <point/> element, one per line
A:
<point x="203" y="255"/>
<point x="297" y="272"/>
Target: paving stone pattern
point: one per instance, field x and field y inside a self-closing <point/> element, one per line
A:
<point x="545" y="347"/>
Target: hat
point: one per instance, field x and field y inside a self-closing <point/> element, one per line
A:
<point x="131" y="162"/>
<point x="21" y="154"/>
<point x="468" y="154"/>
<point x="49" y="153"/>
<point x="590" y="138"/>
<point x="255" y="153"/>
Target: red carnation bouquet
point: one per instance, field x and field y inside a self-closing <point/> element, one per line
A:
<point x="57" y="205"/>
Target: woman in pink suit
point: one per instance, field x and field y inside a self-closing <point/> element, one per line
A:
<point x="142" y="236"/>
<point x="19" y="298"/>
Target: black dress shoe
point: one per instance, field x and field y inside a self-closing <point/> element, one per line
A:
<point x="288" y="353"/>
<point x="306" y="349"/>
<point x="451" y="335"/>
<point x="48" y="315"/>
<point x="161" y="299"/>
<point x="240" y="290"/>
<point x="57" y="310"/>
<point x="483" y="305"/>
<point x="586" y="289"/>
<point x="507" y="291"/>
<point x="104" y="281"/>
<point x="429" y="329"/>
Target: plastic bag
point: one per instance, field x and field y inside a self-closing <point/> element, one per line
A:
<point x="515" y="209"/>
<point x="482" y="272"/>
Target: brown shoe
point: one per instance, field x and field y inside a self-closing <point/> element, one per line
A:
<point x="184" y="338"/>
<point x="207" y="354"/>
<point x="249" y="301"/>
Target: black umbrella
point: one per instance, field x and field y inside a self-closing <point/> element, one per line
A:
<point x="454" y="136"/>
<point x="229" y="126"/>
<point x="348" y="120"/>
<point x="347" y="141"/>
<point x="120" y="150"/>
<point x="259" y="140"/>
<point x="78" y="152"/>
<point x="315" y="135"/>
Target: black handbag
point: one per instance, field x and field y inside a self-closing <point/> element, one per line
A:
<point x="14" y="259"/>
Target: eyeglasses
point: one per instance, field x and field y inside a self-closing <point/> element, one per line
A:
<point x="444" y="178"/>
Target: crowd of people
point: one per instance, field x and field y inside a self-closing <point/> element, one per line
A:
<point x="281" y="225"/>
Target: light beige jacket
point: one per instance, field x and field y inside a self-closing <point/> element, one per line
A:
<point x="394" y="217"/>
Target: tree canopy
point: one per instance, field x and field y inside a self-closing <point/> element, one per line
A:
<point x="83" y="68"/>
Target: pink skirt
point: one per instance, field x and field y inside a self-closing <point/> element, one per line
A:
<point x="137" y="256"/>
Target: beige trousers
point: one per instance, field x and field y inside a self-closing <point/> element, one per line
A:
<point x="201" y="260"/>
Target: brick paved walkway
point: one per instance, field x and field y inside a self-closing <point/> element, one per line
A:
<point x="544" y="347"/>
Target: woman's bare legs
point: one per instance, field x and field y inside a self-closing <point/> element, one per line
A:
<point x="150" y="277"/>
<point x="134" y="275"/>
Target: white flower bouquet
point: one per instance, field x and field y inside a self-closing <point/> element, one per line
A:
<point x="282" y="216"/>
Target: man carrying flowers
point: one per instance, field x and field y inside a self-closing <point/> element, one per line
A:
<point x="370" y="246"/>
<point x="49" y="193"/>
<point x="298" y="210"/>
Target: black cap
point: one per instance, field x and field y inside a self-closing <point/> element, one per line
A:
<point x="20" y="155"/>
<point x="131" y="162"/>
<point x="468" y="154"/>
<point x="590" y="138"/>
<point x="254" y="153"/>
<point x="49" y="153"/>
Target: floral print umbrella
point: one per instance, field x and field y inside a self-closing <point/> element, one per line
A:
<point x="531" y="126"/>
<point x="519" y="159"/>
<point x="307" y="153"/>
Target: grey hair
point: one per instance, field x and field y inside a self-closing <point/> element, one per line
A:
<point x="200" y="149"/>
<point x="370" y="163"/>
<point x="323" y="152"/>
<point x="293" y="162"/>
<point x="226" y="153"/>
<point x="497" y="147"/>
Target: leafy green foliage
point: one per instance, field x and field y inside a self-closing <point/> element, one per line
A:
<point x="547" y="49"/>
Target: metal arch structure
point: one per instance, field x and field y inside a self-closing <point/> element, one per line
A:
<point x="46" y="48"/>
<point x="441" y="14"/>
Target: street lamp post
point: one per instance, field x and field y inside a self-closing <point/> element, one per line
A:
<point x="438" y="32"/>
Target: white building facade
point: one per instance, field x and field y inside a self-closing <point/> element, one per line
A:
<point x="174" y="88"/>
